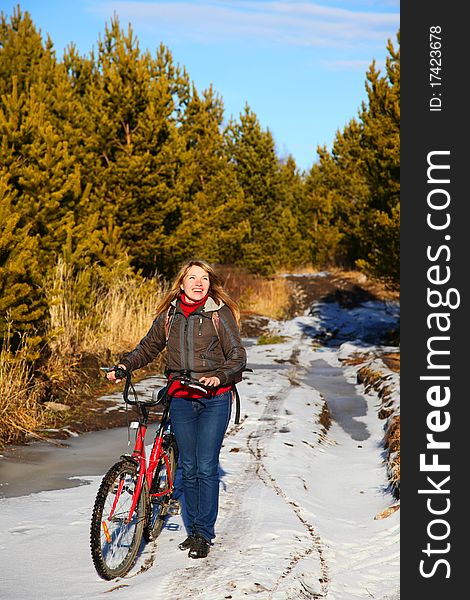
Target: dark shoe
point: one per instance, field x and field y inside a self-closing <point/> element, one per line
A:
<point x="199" y="548"/>
<point x="188" y="542"/>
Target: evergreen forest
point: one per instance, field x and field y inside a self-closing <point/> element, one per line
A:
<point x="114" y="166"/>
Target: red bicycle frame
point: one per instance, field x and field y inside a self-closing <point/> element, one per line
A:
<point x="139" y="458"/>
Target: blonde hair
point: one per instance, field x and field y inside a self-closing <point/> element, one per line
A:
<point x="216" y="289"/>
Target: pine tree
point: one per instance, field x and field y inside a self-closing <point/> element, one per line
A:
<point x="253" y="153"/>
<point x="22" y="306"/>
<point x="41" y="170"/>
<point x="295" y="218"/>
<point x="380" y="118"/>
<point x="337" y="193"/>
<point x="354" y="190"/>
<point x="208" y="223"/>
<point x="21" y="51"/>
<point x="381" y="156"/>
<point x="40" y="122"/>
<point x="133" y="103"/>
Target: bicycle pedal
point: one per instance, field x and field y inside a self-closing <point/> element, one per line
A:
<point x="173" y="508"/>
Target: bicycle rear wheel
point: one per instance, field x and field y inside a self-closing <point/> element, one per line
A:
<point x="159" y="504"/>
<point x="114" y="541"/>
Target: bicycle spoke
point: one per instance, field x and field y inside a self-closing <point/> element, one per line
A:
<point x="115" y="540"/>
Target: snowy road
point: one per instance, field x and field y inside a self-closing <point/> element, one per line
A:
<point x="297" y="503"/>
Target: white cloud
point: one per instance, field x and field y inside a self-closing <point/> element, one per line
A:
<point x="283" y="23"/>
<point x="363" y="65"/>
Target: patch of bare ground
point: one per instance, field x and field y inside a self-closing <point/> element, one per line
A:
<point x="253" y="325"/>
<point x="347" y="288"/>
<point x="78" y="406"/>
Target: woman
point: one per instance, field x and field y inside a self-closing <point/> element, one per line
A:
<point x="197" y="322"/>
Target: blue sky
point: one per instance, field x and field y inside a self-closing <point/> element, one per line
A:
<point x="300" y="65"/>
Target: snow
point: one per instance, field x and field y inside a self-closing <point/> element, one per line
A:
<point x="298" y="505"/>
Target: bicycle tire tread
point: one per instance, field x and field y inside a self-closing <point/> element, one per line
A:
<point x="103" y="570"/>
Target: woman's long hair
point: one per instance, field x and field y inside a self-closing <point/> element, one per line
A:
<point x="216" y="290"/>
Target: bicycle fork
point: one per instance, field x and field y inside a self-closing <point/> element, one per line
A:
<point x="139" y="459"/>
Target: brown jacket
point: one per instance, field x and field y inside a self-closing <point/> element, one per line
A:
<point x="194" y="344"/>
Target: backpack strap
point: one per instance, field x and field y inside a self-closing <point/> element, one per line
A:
<point x="170" y="315"/>
<point x="216" y="321"/>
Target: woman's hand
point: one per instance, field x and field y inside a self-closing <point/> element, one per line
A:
<point x="210" y="381"/>
<point x="111" y="375"/>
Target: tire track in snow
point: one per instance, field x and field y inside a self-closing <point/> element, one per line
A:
<point x="264" y="431"/>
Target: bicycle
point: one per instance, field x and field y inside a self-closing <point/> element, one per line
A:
<point x="135" y="496"/>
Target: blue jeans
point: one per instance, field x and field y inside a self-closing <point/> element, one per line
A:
<point x="200" y="426"/>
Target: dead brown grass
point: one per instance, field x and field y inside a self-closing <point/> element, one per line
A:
<point x="325" y="418"/>
<point x="20" y="411"/>
<point x="392" y="445"/>
<point x="120" y="315"/>
<point x="392" y="360"/>
<point x="267" y="296"/>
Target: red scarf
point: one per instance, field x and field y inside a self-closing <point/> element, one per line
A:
<point x="188" y="307"/>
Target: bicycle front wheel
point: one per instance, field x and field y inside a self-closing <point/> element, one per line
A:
<point x="114" y="538"/>
<point x="159" y="504"/>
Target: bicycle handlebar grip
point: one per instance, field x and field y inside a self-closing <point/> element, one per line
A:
<point x="121" y="373"/>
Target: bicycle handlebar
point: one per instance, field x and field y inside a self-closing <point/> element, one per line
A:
<point x="189" y="381"/>
<point x="184" y="379"/>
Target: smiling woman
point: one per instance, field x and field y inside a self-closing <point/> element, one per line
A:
<point x="195" y="284"/>
<point x="208" y="349"/>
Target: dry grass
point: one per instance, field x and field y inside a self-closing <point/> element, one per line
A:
<point x="120" y="314"/>
<point x="392" y="444"/>
<point x="303" y="270"/>
<point x="267" y="296"/>
<point x="20" y="411"/>
<point x="325" y="418"/>
<point x="124" y="314"/>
